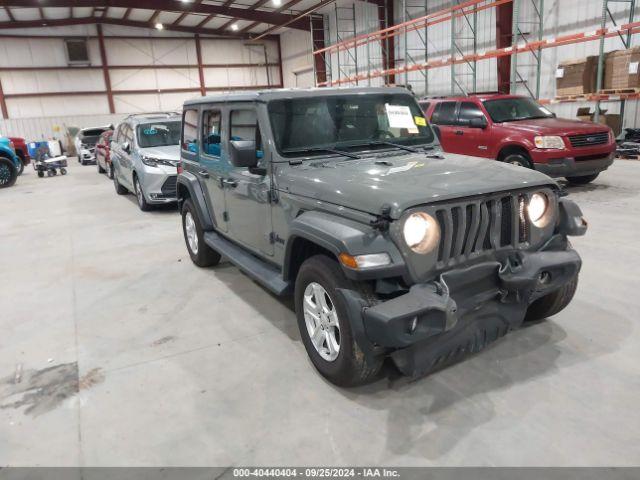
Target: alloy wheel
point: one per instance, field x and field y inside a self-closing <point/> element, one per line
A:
<point x="139" y="193"/>
<point x="321" y="320"/>
<point x="191" y="233"/>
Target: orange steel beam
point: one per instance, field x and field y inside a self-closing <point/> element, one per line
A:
<point x="414" y="24"/>
<point x="581" y="37"/>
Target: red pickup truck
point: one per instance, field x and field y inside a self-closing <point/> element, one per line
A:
<point x="22" y="151"/>
<point x="518" y="130"/>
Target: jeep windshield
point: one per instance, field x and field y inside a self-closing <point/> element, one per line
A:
<point x="317" y="125"/>
<point x="159" y="134"/>
<point x="515" y="109"/>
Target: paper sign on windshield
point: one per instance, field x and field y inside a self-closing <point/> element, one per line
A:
<point x="400" y="117"/>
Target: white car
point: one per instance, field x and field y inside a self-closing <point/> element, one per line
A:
<point x="85" y="143"/>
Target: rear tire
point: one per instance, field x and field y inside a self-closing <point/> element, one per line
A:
<point x="110" y="170"/>
<point x="40" y="174"/>
<point x="553" y="302"/>
<point x="100" y="169"/>
<point x="349" y="367"/>
<point x="21" y="158"/>
<point x="8" y="172"/>
<point x="518" y="159"/>
<point x="583" y="180"/>
<point x="201" y="254"/>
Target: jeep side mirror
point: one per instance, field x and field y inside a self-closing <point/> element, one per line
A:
<point x="243" y="153"/>
<point x="478" y="122"/>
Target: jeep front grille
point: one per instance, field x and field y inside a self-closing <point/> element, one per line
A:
<point x="474" y="227"/>
<point x="588" y="140"/>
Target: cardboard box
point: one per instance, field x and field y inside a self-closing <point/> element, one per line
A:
<point x="577" y="77"/>
<point x="622" y="69"/>
<point x="611" y="120"/>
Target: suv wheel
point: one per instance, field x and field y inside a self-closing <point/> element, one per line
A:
<point x="8" y="172"/>
<point x="324" y="323"/>
<point x="142" y="201"/>
<point x="120" y="190"/>
<point x="583" y="180"/>
<point x="201" y="254"/>
<point x="553" y="302"/>
<point x="518" y="159"/>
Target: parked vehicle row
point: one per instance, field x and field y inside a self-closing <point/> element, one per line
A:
<point x="393" y="240"/>
<point x="85" y="143"/>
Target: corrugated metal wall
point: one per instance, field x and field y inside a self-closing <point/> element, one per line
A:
<point x="38" y="114"/>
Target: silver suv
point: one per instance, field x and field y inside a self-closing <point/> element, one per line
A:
<point x="145" y="152"/>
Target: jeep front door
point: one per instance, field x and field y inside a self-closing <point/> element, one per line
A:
<point x="247" y="192"/>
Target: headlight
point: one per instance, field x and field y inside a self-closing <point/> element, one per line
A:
<point x="421" y="232"/>
<point x="555" y="143"/>
<point x="537" y="208"/>
<point x="149" y="161"/>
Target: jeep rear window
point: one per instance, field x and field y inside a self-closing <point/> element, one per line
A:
<point x="514" y="109"/>
<point x="349" y="122"/>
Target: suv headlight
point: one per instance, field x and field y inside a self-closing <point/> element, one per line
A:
<point x="549" y="142"/>
<point x="149" y="161"/>
<point x="421" y="232"/>
<point x="538" y="209"/>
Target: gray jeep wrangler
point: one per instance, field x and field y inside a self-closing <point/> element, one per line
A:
<point x="390" y="247"/>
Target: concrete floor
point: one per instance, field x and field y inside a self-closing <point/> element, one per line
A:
<point x="183" y="366"/>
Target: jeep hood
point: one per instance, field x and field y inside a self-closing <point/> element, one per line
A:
<point x="403" y="181"/>
<point x="555" y="126"/>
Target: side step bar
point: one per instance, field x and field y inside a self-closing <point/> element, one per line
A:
<point x="261" y="271"/>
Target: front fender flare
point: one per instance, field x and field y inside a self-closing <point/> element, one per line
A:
<point x="190" y="182"/>
<point x="341" y="235"/>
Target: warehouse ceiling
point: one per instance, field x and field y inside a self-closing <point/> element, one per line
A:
<point x="229" y="18"/>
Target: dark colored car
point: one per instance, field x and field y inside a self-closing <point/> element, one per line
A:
<point x="518" y="130"/>
<point x="390" y="247"/>
<point x="103" y="153"/>
<point x="21" y="151"/>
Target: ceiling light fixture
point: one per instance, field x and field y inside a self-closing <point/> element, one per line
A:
<point x="277" y="3"/>
<point x="234" y="27"/>
<point x="159" y="26"/>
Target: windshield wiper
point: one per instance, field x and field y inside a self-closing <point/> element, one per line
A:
<point x="322" y="149"/>
<point x="388" y="144"/>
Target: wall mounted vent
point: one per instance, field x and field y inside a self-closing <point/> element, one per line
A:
<point x="77" y="52"/>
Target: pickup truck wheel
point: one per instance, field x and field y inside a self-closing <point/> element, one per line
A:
<point x="583" y="180"/>
<point x="201" y="254"/>
<point x="518" y="159"/>
<point x="324" y="324"/>
<point x="8" y="172"/>
<point x="552" y="303"/>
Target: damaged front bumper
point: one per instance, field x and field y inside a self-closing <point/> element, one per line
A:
<point x="460" y="312"/>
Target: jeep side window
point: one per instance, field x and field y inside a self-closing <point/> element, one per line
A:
<point x="211" y="137"/>
<point x="444" y="114"/>
<point x="244" y="126"/>
<point x="468" y="111"/>
<point x="189" y="140"/>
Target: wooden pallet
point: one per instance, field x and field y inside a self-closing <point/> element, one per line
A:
<point x="619" y="91"/>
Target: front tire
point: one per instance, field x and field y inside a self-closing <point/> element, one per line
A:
<point x="583" y="180"/>
<point x="553" y="302"/>
<point x="324" y="324"/>
<point x="201" y="254"/>
<point x="518" y="159"/>
<point x="142" y="201"/>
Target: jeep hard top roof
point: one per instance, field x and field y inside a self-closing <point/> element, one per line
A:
<point x="285" y="93"/>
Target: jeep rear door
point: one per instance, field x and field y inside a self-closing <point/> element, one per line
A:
<point x="247" y="193"/>
<point x="206" y="163"/>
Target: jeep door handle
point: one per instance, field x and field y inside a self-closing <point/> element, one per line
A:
<point x="203" y="173"/>
<point x="229" y="183"/>
<point x="459" y="132"/>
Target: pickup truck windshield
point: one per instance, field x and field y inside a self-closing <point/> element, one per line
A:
<point x="347" y="122"/>
<point x="160" y="134"/>
<point x="514" y="109"/>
